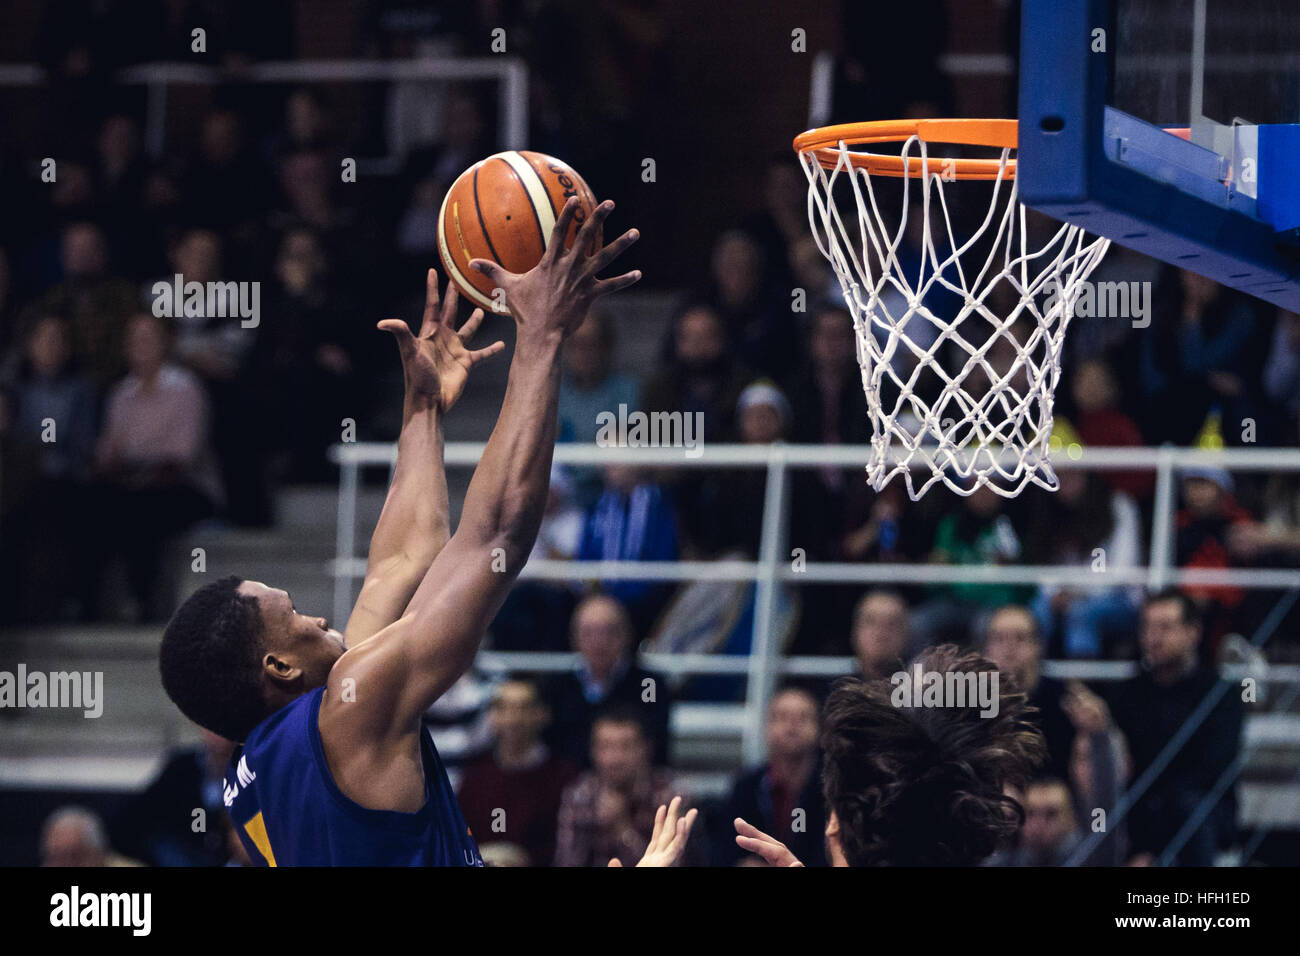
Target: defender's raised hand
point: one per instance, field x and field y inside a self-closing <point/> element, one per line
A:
<point x="437" y="362"/>
<point x="554" y="296"/>
<point x="668" y="841"/>
<point x="772" y="850"/>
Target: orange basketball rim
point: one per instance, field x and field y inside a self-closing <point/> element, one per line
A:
<point x="824" y="144"/>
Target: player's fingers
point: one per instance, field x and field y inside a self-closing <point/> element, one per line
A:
<point x="669" y="831"/>
<point x="776" y="854"/>
<point x="430" y="303"/>
<point x="690" y="819"/>
<point x="591" y="228"/>
<point x="615" y="862"/>
<point x="401" y="331"/>
<point x="748" y="831"/>
<point x="471" y="325"/>
<point x="555" y="248"/>
<point x="486" y="353"/>
<point x="684" y="830"/>
<point x="609" y="253"/>
<point x="659" y="825"/>
<point x="492" y="270"/>
<point x="606" y="286"/>
<point x="449" y="303"/>
<point x="673" y="850"/>
<point x="772" y="854"/>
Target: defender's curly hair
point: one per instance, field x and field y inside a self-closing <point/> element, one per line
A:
<point x="914" y="786"/>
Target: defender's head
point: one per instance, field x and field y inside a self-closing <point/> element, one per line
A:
<point x="922" y="786"/>
<point x="237" y="651"/>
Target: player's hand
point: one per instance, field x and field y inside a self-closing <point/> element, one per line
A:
<point x="751" y="838"/>
<point x="554" y="296"/>
<point x="668" y="841"/>
<point x="437" y="362"/>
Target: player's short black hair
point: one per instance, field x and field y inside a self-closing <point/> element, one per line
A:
<point x="210" y="659"/>
<point x="923" y="786"/>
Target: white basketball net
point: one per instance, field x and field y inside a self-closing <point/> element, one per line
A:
<point x="962" y="398"/>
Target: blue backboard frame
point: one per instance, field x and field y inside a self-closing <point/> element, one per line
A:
<point x="1091" y="165"/>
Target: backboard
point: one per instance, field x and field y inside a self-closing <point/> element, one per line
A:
<point x="1171" y="127"/>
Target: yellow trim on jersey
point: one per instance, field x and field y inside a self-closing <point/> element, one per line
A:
<point x="256" y="830"/>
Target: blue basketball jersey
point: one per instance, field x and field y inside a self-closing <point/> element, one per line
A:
<point x="288" y="811"/>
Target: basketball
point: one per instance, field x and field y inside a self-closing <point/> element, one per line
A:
<point x="504" y="208"/>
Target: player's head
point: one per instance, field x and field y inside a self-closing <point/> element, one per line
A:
<point x="1171" y="631"/>
<point x="923" y="786"/>
<point x="1012" y="643"/>
<point x="237" y="651"/>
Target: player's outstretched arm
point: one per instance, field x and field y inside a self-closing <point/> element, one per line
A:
<point x="415" y="659"/>
<point x="415" y="525"/>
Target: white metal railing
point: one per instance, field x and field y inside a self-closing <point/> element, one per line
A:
<point x="510" y="72"/>
<point x="774" y="566"/>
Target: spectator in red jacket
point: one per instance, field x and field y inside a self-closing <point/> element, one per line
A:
<point x="1100" y="422"/>
<point x="1205" y="521"/>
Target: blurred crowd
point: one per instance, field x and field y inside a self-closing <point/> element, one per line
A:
<point x="119" y="429"/>
<point x="113" y="420"/>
